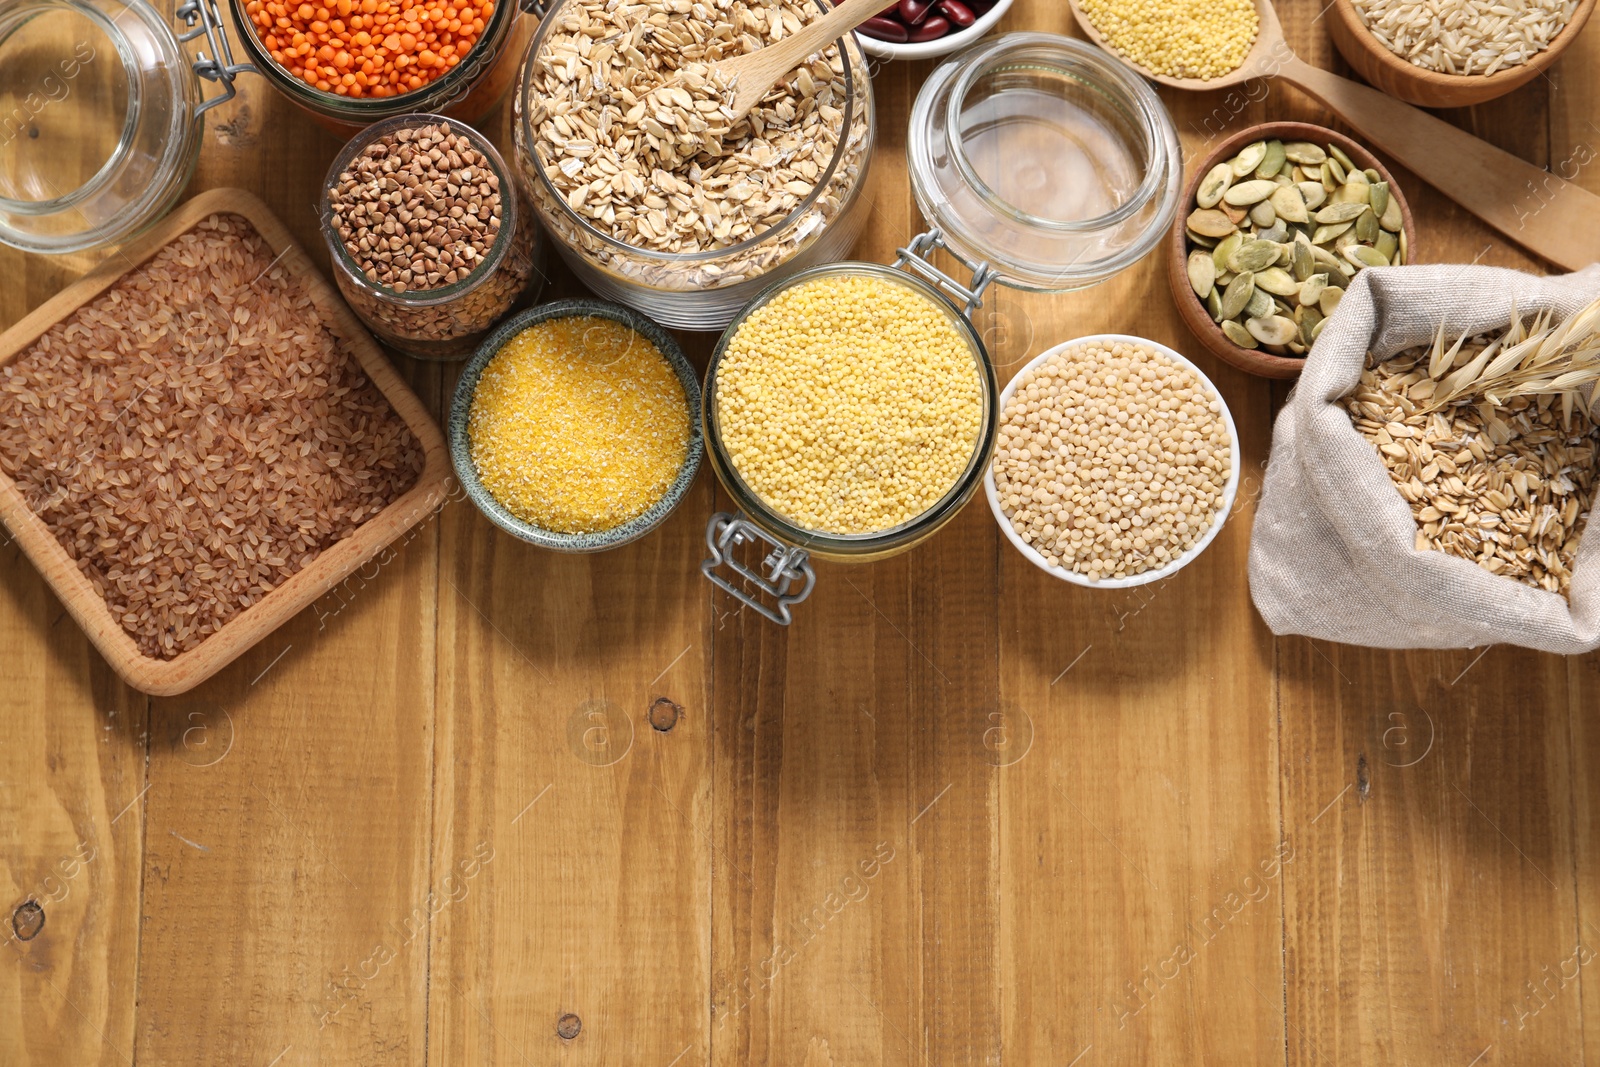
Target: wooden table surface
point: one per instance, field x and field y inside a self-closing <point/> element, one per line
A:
<point x="959" y="813"/>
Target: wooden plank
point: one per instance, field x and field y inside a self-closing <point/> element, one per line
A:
<point x="1140" y="865"/>
<point x="1575" y="155"/>
<point x="71" y="838"/>
<point x="289" y="823"/>
<point x="289" y="808"/>
<point x="1429" y="796"/>
<point x="854" y="907"/>
<point x="1139" y="847"/>
<point x="594" y="904"/>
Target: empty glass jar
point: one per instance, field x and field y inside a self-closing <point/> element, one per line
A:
<point x="100" y="116"/>
<point x="1044" y="158"/>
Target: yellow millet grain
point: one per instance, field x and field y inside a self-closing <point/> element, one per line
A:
<point x="578" y="424"/>
<point x="1202" y="39"/>
<point x="1112" y="459"/>
<point x="849" y="404"/>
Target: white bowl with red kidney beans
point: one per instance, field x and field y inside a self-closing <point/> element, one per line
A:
<point x="922" y="29"/>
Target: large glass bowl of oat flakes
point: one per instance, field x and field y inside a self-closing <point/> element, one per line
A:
<point x="657" y="201"/>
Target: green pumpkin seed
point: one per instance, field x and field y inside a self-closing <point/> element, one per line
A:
<point x="1304" y="152"/>
<point x="1260" y="304"/>
<point x="1316" y="331"/>
<point x="1238" y="294"/>
<point x="1213" y="185"/>
<point x="1333" y="175"/>
<point x="1328" y="302"/>
<point x="1353" y="191"/>
<point x="1327" y="260"/>
<point x="1210" y="222"/>
<point x="1392" y="219"/>
<point x="1277" y="233"/>
<point x="1388" y="244"/>
<point x="1344" y="161"/>
<point x="1263" y="215"/>
<point x="1339" y="212"/>
<point x="1278" y="282"/>
<point x="1248" y="158"/>
<point x="1404" y="254"/>
<point x="1238" y="334"/>
<point x="1304" y="263"/>
<point x="1327" y="233"/>
<point x="1313" y="192"/>
<point x="1373" y="176"/>
<point x="1311" y="291"/>
<point x="1222" y="255"/>
<point x="1202" y="273"/>
<point x="1245" y="194"/>
<point x="1272" y="329"/>
<point x="1271" y="161"/>
<point x="1365" y="256"/>
<point x="1309" y="318"/>
<point x="1366" y="227"/>
<point x="1199" y="238"/>
<point x="1254" y="255"/>
<point x="1378" y="197"/>
<point x="1214" y="304"/>
<point x="1289" y="204"/>
<point x="1297" y="347"/>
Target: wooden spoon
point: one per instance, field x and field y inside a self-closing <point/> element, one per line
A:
<point x="1550" y="217"/>
<point x="753" y="73"/>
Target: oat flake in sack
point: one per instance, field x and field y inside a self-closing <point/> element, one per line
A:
<point x="1333" y="551"/>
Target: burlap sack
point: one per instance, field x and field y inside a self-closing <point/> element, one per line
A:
<point x="1332" y="554"/>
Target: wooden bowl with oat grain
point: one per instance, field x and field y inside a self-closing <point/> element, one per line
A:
<point x="1403" y="80"/>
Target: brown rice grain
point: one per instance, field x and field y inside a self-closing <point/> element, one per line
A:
<point x="197" y="434"/>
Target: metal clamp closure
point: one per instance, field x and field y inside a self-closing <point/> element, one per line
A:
<point x="918" y="259"/>
<point x="218" y="67"/>
<point x="784" y="566"/>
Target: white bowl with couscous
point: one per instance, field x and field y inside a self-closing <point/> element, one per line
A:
<point x="1216" y="409"/>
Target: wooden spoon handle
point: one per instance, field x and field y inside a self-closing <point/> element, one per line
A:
<point x="1548" y="216"/>
<point x="815" y="36"/>
<point x="758" y="71"/>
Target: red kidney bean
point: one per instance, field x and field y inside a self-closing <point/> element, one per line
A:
<point x="931" y="30"/>
<point x="912" y="12"/>
<point x="960" y="14"/>
<point x="885" y="29"/>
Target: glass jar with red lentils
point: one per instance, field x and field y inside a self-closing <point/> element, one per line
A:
<point x="351" y="63"/>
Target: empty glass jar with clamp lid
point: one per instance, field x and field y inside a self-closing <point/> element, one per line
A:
<point x="850" y="410"/>
<point x="101" y="115"/>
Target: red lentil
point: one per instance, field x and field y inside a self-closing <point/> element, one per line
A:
<point x="369" y="48"/>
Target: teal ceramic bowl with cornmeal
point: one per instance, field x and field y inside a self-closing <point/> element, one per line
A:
<point x="461" y="442"/>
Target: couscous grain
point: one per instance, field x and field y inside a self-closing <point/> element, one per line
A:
<point x="851" y="404"/>
<point x="1202" y="39"/>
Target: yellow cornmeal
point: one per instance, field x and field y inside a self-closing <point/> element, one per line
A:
<point x="849" y="404"/>
<point x="578" y="425"/>
<point x="1178" y="38"/>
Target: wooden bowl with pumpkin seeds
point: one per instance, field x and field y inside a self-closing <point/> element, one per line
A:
<point x="1254" y="239"/>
